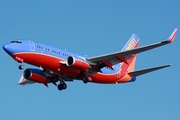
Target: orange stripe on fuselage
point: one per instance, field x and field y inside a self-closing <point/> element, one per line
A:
<point x="127" y="77"/>
<point x="117" y="77"/>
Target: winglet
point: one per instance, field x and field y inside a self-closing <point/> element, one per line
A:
<point x="171" y="38"/>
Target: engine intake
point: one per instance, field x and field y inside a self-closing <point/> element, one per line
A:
<point x="77" y="64"/>
<point x="35" y="75"/>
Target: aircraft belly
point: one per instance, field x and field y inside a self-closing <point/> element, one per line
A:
<point x="110" y="78"/>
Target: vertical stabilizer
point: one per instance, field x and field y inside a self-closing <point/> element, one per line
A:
<point x="132" y="43"/>
<point x="130" y="64"/>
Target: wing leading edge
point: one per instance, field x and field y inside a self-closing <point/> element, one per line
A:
<point x="124" y="54"/>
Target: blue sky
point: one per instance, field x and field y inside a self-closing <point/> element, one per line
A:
<point x="92" y="28"/>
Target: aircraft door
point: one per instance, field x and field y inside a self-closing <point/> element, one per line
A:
<point x="32" y="45"/>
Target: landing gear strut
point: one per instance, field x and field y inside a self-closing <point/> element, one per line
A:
<point x="62" y="85"/>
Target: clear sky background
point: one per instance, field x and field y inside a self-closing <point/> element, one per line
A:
<point x="92" y="28"/>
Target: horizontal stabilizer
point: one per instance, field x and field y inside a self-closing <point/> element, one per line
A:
<point x="144" y="71"/>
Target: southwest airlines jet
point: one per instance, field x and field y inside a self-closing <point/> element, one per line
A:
<point x="57" y="65"/>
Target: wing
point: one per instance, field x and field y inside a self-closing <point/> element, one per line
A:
<point x="123" y="56"/>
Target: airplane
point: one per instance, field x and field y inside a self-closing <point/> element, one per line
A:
<point x="57" y="65"/>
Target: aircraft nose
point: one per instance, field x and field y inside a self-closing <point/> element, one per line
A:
<point x="7" y="48"/>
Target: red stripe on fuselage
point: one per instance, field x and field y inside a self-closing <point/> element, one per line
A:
<point x="49" y="62"/>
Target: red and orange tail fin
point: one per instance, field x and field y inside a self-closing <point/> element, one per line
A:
<point x="130" y="64"/>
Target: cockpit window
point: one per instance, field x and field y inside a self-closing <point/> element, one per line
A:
<point x="19" y="42"/>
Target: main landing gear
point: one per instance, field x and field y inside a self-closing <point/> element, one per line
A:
<point x="62" y="85"/>
<point x="87" y="79"/>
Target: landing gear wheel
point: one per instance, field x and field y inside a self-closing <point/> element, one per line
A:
<point x="87" y="79"/>
<point x="62" y="86"/>
<point x="21" y="67"/>
<point x="59" y="87"/>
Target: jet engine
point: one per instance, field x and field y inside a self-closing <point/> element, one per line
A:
<point x="35" y="75"/>
<point x="77" y="64"/>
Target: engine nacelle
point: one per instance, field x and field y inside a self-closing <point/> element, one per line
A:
<point x="77" y="64"/>
<point x="35" y="75"/>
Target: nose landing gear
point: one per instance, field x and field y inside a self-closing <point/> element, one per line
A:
<point x="21" y="67"/>
<point x="19" y="60"/>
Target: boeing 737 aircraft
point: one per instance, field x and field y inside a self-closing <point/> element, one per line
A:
<point x="61" y="65"/>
